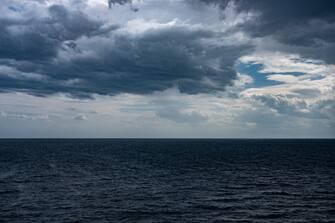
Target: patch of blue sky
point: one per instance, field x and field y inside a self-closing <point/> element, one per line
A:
<point x="319" y="77"/>
<point x="253" y="70"/>
<point x="289" y="73"/>
<point x="260" y="79"/>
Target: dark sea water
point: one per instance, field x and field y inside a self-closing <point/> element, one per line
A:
<point x="167" y="180"/>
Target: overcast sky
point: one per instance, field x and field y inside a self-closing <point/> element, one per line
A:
<point x="167" y="68"/>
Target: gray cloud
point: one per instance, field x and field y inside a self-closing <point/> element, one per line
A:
<point x="156" y="60"/>
<point x="47" y="55"/>
<point x="322" y="109"/>
<point x="303" y="26"/>
<point x="34" y="39"/>
<point x="275" y="15"/>
<point x="121" y="2"/>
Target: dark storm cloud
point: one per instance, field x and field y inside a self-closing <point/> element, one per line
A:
<point x="35" y="39"/>
<point x="305" y="26"/>
<point x="277" y="14"/>
<point x="156" y="60"/>
<point x="121" y="2"/>
<point x="152" y="62"/>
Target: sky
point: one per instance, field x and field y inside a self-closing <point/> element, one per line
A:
<point x="167" y="69"/>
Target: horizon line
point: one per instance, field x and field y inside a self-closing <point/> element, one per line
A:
<point x="172" y="138"/>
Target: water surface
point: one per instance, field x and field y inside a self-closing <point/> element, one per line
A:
<point x="167" y="180"/>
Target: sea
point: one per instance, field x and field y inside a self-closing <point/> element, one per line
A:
<point x="167" y="180"/>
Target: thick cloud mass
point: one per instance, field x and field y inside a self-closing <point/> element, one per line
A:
<point x="39" y="39"/>
<point x="60" y="48"/>
<point x="302" y="26"/>
<point x="154" y="61"/>
<point x="67" y="51"/>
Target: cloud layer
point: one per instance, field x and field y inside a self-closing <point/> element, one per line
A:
<point x="65" y="50"/>
<point x="200" y="68"/>
<point x="302" y="26"/>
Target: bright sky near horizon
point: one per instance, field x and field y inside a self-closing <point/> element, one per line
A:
<point x="167" y="68"/>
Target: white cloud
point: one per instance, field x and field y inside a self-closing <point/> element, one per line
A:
<point x="310" y="93"/>
<point x="276" y="62"/>
<point x="283" y="78"/>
